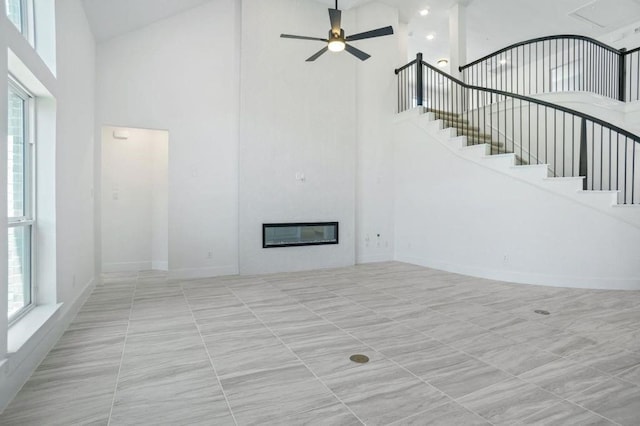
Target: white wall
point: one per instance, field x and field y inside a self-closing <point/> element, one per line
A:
<point x="376" y="104"/>
<point x="160" y="202"/>
<point x="181" y="74"/>
<point x="622" y="114"/>
<point x="296" y="117"/>
<point x="134" y="200"/>
<point x="456" y="215"/>
<point x="74" y="148"/>
<point x="65" y="147"/>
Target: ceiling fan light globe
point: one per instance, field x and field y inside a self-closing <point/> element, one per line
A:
<point x="336" y="45"/>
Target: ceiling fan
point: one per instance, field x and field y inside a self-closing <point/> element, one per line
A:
<point x="337" y="42"/>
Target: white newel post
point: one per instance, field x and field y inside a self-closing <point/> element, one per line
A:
<point x="457" y="37"/>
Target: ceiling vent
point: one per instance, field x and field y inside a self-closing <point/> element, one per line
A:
<point x="601" y="14"/>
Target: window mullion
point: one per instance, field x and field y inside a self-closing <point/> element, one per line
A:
<point x="21" y="201"/>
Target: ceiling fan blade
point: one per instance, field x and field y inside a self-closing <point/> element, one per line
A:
<point x="318" y="54"/>
<point x="303" y="37"/>
<point x="370" y="34"/>
<point x="357" y="52"/>
<point x="335" y="16"/>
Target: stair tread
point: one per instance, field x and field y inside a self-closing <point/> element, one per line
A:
<point x="440" y="112"/>
<point x="492" y="143"/>
<point x="453" y="120"/>
<point x="462" y="126"/>
<point x="559" y="178"/>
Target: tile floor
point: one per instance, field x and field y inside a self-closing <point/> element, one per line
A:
<point x="445" y="349"/>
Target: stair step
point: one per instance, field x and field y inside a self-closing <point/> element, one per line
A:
<point x="410" y="113"/>
<point x="534" y="172"/>
<point x="458" y="142"/>
<point x="440" y="113"/>
<point x="496" y="145"/>
<point x="506" y="160"/>
<point x="598" y="198"/>
<point x="571" y="184"/>
<point x="454" y="121"/>
<point x="476" y="134"/>
<point x="480" y="150"/>
<point x="462" y="126"/>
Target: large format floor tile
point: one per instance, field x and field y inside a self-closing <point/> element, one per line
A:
<point x="566" y="414"/>
<point x="381" y="392"/>
<point x="444" y="349"/>
<point x="444" y="415"/>
<point x="564" y="377"/>
<point x="614" y="399"/>
<point x="508" y="402"/>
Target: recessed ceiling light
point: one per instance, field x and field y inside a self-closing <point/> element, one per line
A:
<point x="503" y="61"/>
<point x="424" y="12"/>
<point x="443" y="63"/>
<point x="430" y="37"/>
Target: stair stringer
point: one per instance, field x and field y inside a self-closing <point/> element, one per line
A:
<point x="538" y="174"/>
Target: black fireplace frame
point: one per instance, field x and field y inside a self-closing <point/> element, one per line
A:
<point x="299" y="224"/>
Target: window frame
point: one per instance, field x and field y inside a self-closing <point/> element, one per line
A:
<point x="28" y="218"/>
<point x="26" y="19"/>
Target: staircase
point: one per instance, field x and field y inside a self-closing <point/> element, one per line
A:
<point x="599" y="156"/>
<point x="473" y="134"/>
<point x="461" y="209"/>
<point x="504" y="186"/>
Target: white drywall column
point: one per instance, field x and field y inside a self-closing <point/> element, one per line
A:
<point x="457" y="37"/>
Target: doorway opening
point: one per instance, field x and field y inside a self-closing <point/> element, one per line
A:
<point x="134" y="203"/>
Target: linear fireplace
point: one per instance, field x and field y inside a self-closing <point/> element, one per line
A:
<point x="299" y="234"/>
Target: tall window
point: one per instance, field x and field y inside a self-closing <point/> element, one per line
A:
<point x="17" y="13"/>
<point x="20" y="201"/>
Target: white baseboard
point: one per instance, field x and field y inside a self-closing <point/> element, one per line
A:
<point x="191" y="273"/>
<point x="374" y="258"/>
<point x="19" y="366"/>
<point x="517" y="277"/>
<point x="143" y="265"/>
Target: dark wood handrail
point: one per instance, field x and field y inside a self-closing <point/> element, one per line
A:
<point x="596" y="120"/>
<point x="540" y="39"/>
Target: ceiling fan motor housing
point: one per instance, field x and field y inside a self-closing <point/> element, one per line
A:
<point x="336" y="41"/>
<point x="335" y="36"/>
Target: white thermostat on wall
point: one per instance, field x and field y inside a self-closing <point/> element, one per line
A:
<point x="120" y="134"/>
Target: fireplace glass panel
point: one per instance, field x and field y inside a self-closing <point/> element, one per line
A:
<point x="299" y="234"/>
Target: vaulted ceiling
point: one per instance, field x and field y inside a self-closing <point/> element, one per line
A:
<point x="111" y="18"/>
<point x="491" y="24"/>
